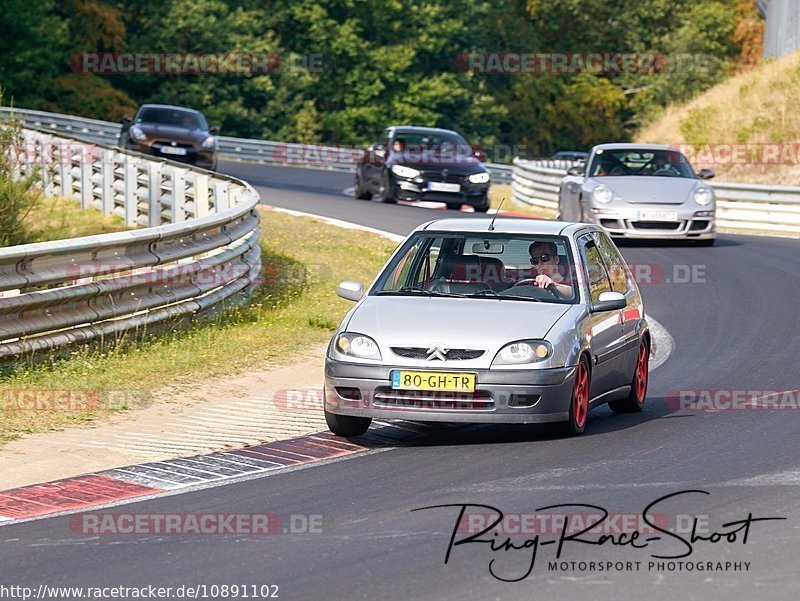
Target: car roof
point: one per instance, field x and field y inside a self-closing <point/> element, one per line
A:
<point x="168" y="106"/>
<point x="632" y="146"/>
<point x="506" y="226"/>
<point x="408" y="129"/>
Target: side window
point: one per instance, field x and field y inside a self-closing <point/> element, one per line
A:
<point x="614" y="262"/>
<point x="416" y="268"/>
<point x="593" y="268"/>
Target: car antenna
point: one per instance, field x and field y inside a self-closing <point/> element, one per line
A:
<point x="491" y="225"/>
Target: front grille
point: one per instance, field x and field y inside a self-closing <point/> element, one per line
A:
<point x="669" y="226"/>
<point x="454" y="354"/>
<point x="169" y="143"/>
<point x="421" y="400"/>
<point x="699" y="225"/>
<point x="450" y="178"/>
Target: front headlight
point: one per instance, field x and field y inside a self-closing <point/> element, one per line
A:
<point x="209" y="142"/>
<point x="602" y="194"/>
<point x="479" y="178"/>
<point x="523" y="351"/>
<point x="136" y="133"/>
<point x="703" y="196"/>
<point x="402" y="171"/>
<point x="357" y="345"/>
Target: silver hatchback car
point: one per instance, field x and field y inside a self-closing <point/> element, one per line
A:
<point x="497" y="321"/>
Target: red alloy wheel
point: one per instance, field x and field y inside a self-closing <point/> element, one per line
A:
<point x="581" y="395"/>
<point x="641" y="373"/>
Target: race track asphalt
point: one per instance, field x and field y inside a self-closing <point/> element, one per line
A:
<point x="735" y="328"/>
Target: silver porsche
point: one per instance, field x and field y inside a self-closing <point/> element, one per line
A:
<point x="640" y="191"/>
<point x="498" y="321"/>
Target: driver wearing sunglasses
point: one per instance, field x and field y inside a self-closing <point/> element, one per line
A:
<point x="544" y="259"/>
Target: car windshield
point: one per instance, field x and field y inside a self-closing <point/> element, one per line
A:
<point x="656" y="163"/>
<point x="438" y="143"/>
<point x="478" y="265"/>
<point x="176" y="117"/>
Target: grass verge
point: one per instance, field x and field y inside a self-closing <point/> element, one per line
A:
<point x="58" y="218"/>
<point x="296" y="307"/>
<point x="503" y="191"/>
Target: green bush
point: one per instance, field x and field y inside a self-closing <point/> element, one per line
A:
<point x="17" y="195"/>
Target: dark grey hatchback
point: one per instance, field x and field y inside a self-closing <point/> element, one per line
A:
<point x="423" y="163"/>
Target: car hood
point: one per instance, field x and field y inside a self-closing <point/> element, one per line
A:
<point x="452" y="322"/>
<point x="172" y="133"/>
<point x="650" y="189"/>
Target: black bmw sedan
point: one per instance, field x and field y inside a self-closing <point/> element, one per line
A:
<point x="423" y="163"/>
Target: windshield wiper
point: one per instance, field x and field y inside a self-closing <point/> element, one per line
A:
<point x="498" y="295"/>
<point x="413" y="290"/>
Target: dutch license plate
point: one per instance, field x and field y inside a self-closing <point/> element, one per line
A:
<point x="429" y="380"/>
<point x="173" y="150"/>
<point x="443" y="187"/>
<point x="658" y="216"/>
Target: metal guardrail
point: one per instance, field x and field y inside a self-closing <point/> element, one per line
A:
<point x="263" y="151"/>
<point x="201" y="253"/>
<point x="745" y="207"/>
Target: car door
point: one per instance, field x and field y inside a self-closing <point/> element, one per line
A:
<point x="375" y="161"/>
<point x="604" y="327"/>
<point x="622" y="281"/>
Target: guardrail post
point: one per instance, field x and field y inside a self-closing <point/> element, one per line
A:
<point x="200" y="195"/>
<point x="66" y="168"/>
<point x="153" y="194"/>
<point x="221" y="201"/>
<point x="107" y="185"/>
<point x="86" y="184"/>
<point x="131" y="206"/>
<point x="178" y="195"/>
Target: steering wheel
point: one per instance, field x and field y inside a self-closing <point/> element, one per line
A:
<point x="542" y="292"/>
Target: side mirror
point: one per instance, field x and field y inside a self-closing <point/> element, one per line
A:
<point x="479" y="154"/>
<point x="609" y="301"/>
<point x="379" y="150"/>
<point x="706" y="174"/>
<point x="577" y="171"/>
<point x="214" y="129"/>
<point x="352" y="291"/>
<point x="127" y="119"/>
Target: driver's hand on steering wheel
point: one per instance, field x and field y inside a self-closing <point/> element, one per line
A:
<point x="543" y="281"/>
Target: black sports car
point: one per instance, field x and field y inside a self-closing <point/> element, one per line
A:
<point x="424" y="163"/>
<point x="172" y="132"/>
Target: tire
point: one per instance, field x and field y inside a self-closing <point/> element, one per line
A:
<point x="386" y="193"/>
<point x="453" y="206"/>
<point x="358" y="191"/>
<point x="483" y="207"/>
<point x="579" y="404"/>
<point x="347" y="425"/>
<point x="641" y="377"/>
<point x="707" y="242"/>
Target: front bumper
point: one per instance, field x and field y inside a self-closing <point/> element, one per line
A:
<point x="625" y="222"/>
<point x="501" y="396"/>
<point x="417" y="189"/>
<point x="203" y="158"/>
